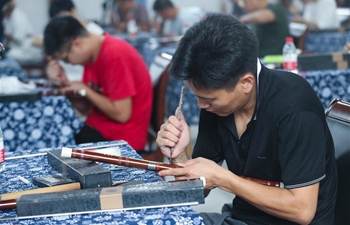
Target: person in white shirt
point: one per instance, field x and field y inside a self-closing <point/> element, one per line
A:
<point x="176" y="20"/>
<point x="319" y="14"/>
<point x="19" y="34"/>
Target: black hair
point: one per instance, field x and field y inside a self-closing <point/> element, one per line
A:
<point x="60" y="32"/>
<point x="2" y="4"/>
<point x="160" y="5"/>
<point x="58" y="6"/>
<point x="215" y="52"/>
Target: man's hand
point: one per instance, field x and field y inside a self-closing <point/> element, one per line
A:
<point x="55" y="72"/>
<point x="76" y="85"/>
<point x="347" y="47"/>
<point x="174" y="134"/>
<point x="199" y="167"/>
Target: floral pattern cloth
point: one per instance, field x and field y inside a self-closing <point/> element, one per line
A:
<point x="325" y="42"/>
<point x="48" y="122"/>
<point x="31" y="167"/>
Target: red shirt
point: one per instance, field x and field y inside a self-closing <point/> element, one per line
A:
<point x="119" y="72"/>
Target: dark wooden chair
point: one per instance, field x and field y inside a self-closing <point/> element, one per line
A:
<point x="153" y="152"/>
<point x="338" y="119"/>
<point x="302" y="38"/>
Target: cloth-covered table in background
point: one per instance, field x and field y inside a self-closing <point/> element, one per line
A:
<point x="48" y="122"/>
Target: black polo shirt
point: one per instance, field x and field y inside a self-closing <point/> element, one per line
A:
<point x="287" y="141"/>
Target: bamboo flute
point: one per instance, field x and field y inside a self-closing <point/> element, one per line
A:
<point x="43" y="84"/>
<point x="138" y="163"/>
<point x="64" y="92"/>
<point x="8" y="204"/>
<point x="265" y="182"/>
<point x="118" y="160"/>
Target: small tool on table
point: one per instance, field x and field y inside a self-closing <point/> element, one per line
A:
<point x="178" y="115"/>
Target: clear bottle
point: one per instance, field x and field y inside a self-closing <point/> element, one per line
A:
<point x="290" y="56"/>
<point x="2" y="152"/>
<point x="132" y="28"/>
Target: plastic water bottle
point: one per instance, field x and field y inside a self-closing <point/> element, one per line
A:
<point x="131" y="27"/>
<point x="290" y="56"/>
<point x="2" y="152"/>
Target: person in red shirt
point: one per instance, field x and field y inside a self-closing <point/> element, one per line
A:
<point x="118" y="100"/>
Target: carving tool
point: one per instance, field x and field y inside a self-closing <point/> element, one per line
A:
<point x="178" y="115"/>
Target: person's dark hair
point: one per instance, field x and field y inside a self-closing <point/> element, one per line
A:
<point x="215" y="52"/>
<point x="58" y="6"/>
<point x="60" y="32"/>
<point x="2" y="4"/>
<point x="160" y="5"/>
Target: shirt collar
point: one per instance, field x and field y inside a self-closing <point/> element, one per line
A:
<point x="257" y="87"/>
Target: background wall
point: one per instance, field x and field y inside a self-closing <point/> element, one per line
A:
<point x="37" y="10"/>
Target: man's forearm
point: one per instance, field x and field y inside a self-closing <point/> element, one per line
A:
<point x="297" y="205"/>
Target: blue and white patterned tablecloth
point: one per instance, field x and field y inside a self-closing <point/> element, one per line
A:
<point x="48" y="122"/>
<point x="328" y="85"/>
<point x="37" y="166"/>
<point x="325" y="42"/>
<point x="10" y="67"/>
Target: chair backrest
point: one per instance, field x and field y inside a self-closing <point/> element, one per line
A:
<point x="153" y="152"/>
<point x="338" y="119"/>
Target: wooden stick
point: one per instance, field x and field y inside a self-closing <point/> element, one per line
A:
<point x="58" y="188"/>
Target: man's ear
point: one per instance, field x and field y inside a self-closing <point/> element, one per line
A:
<point x="247" y="82"/>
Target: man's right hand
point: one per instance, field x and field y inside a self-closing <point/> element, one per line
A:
<point x="174" y="134"/>
<point x="56" y="72"/>
<point x="347" y="47"/>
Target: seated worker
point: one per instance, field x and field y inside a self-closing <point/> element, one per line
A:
<point x="125" y="10"/>
<point x="19" y="34"/>
<point x="269" y="23"/>
<point x="266" y="124"/>
<point x="318" y="14"/>
<point x="59" y="70"/>
<point x="118" y="86"/>
<point x="175" y="20"/>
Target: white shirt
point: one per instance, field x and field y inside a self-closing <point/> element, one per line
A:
<point x="19" y="27"/>
<point x="323" y="13"/>
<point x="185" y="18"/>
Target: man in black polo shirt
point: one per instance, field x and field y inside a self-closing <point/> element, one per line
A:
<point x="266" y="124"/>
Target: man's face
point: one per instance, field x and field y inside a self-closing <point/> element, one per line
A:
<point x="167" y="13"/>
<point x="221" y="101"/>
<point x="251" y="5"/>
<point x="73" y="53"/>
<point x="125" y="6"/>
